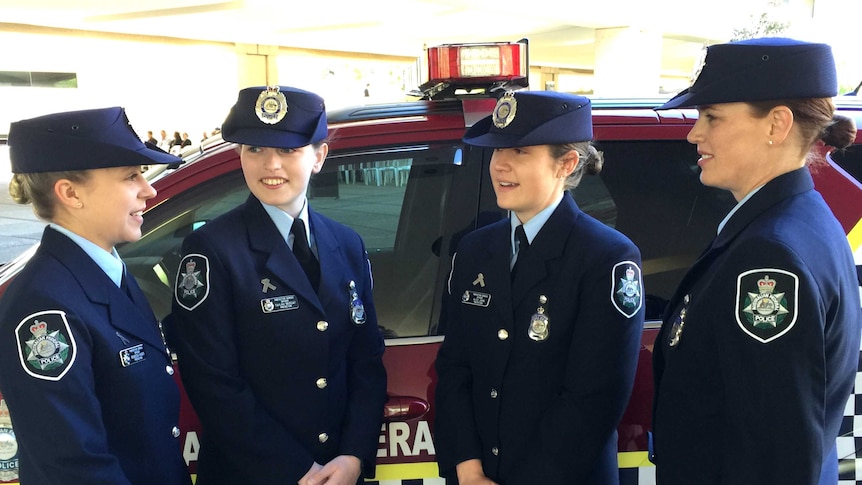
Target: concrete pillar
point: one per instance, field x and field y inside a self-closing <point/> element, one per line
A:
<point x="257" y="65"/>
<point x="627" y="63"/>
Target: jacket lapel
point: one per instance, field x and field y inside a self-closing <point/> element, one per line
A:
<point x="547" y="247"/>
<point x="135" y="318"/>
<point x="264" y="238"/>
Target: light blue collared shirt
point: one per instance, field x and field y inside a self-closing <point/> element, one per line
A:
<point x="109" y="262"/>
<point x="283" y="222"/>
<point x="736" y="208"/>
<point x="531" y="227"/>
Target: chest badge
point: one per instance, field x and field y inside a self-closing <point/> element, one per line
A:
<point x="679" y="323"/>
<point x="540" y="324"/>
<point x="357" y="309"/>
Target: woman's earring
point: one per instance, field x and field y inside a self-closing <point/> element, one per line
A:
<point x="79" y="205"/>
<point x="770" y="142"/>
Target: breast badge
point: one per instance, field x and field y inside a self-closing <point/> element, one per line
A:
<point x="357" y="309"/>
<point x="192" y="286"/>
<point x="679" y="323"/>
<point x="540" y="324"/>
<point x="766" y="303"/>
<point x="45" y="345"/>
<point x="626" y="293"/>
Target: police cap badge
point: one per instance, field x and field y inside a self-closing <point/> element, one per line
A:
<point x="276" y="116"/>
<point x="526" y="118"/>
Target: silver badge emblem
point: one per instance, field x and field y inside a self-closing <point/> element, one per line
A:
<point x="679" y="323"/>
<point x="271" y="106"/>
<point x="505" y="110"/>
<point x="539" y="322"/>
<point x="357" y="309"/>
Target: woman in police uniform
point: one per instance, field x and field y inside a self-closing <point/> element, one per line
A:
<point x="278" y="340"/>
<point x="83" y="366"/>
<point x="759" y="347"/>
<point x="539" y="359"/>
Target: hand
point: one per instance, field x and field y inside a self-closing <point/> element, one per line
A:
<point x="341" y="470"/>
<point x="315" y="467"/>
<point x="470" y="473"/>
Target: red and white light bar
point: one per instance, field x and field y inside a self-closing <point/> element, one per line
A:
<point x="478" y="63"/>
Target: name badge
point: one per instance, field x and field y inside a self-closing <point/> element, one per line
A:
<point x="279" y="304"/>
<point x="132" y="355"/>
<point x="476" y="298"/>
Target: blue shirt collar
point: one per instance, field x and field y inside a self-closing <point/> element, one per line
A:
<point x="283" y="222"/>
<point x="534" y="225"/>
<point x="736" y="208"/>
<point x="109" y="262"/>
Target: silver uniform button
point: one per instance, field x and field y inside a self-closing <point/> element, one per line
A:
<point x="321" y="383"/>
<point x="495" y="451"/>
<point x="322" y="325"/>
<point x="322" y="437"/>
<point x="502" y="334"/>
<point x="169" y="369"/>
<point x="175" y="432"/>
<point x="493" y="394"/>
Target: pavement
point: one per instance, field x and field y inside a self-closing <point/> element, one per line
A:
<point x="19" y="227"/>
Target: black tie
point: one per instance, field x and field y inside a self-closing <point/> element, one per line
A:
<point x="124" y="285"/>
<point x="303" y="253"/>
<point x="523" y="245"/>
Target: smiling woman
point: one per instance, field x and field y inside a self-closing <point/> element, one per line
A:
<point x="87" y="355"/>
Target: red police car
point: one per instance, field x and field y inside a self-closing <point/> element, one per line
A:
<point x="400" y="176"/>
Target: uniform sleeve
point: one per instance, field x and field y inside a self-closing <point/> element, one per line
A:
<point x="577" y="428"/>
<point x="773" y="367"/>
<point x="58" y="420"/>
<point x="455" y="434"/>
<point x="366" y="382"/>
<point x="209" y="366"/>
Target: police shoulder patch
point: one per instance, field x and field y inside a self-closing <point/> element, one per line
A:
<point x="626" y="288"/>
<point x="46" y="346"/>
<point x="192" y="286"/>
<point x="766" y="303"/>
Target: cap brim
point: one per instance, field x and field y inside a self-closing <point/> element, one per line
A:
<point x="267" y="138"/>
<point x="479" y="135"/>
<point x="685" y="99"/>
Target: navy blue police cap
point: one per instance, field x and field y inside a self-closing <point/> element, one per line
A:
<point x="276" y="116"/>
<point x="768" y="68"/>
<point x="80" y="140"/>
<point x="526" y="118"/>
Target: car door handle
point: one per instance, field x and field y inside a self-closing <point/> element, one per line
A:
<point x="403" y="408"/>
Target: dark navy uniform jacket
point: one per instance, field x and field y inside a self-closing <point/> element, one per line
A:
<point x="91" y="392"/>
<point x="538" y="411"/>
<point x="281" y="377"/>
<point x="754" y="390"/>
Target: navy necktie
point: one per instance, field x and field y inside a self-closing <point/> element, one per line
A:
<point x="523" y="246"/>
<point x="303" y="253"/>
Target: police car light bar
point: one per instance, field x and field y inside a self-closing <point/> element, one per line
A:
<point x="478" y="63"/>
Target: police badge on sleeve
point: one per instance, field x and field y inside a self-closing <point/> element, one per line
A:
<point x="766" y="301"/>
<point x="192" y="286"/>
<point x="627" y="289"/>
<point x="46" y="346"/>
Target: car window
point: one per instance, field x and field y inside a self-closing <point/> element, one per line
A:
<point x="396" y="200"/>
<point x="850" y="159"/>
